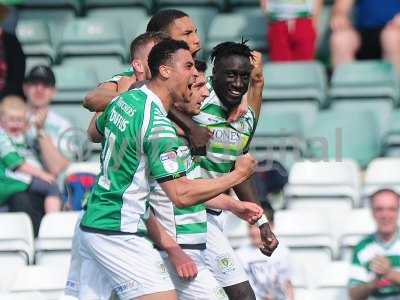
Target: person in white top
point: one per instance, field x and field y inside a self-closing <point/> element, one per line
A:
<point x="270" y="277"/>
<point x="40" y="89"/>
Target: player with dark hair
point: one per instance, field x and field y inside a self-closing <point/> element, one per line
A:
<point x="140" y="146"/>
<point x="232" y="73"/>
<point x="178" y="25"/>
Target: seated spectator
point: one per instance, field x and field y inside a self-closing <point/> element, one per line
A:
<point x="376" y="259"/>
<point x="292" y="32"/>
<point x="374" y="34"/>
<point x="17" y="173"/>
<point x="12" y="60"/>
<point x="270" y="277"/>
<point x="39" y="89"/>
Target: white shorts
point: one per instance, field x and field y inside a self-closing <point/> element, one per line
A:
<point x="72" y="286"/>
<point x="129" y="263"/>
<point x="203" y="287"/>
<point x="220" y="257"/>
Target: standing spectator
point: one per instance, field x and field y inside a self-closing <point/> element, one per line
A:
<point x="40" y="89"/>
<point x="270" y="277"/>
<point x="292" y="27"/>
<point x="12" y="60"/>
<point x="376" y="259"/>
<point x="375" y="33"/>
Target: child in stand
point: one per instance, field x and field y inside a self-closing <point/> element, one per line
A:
<point x="19" y="169"/>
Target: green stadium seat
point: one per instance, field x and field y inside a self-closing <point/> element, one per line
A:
<point x="92" y="37"/>
<point x="365" y="79"/>
<point x="216" y="3"/>
<point x="126" y="17"/>
<point x="299" y="81"/>
<point x="73" y="83"/>
<point x="72" y="5"/>
<point x="104" y="67"/>
<point x="341" y="135"/>
<point x="243" y="3"/>
<point x="55" y="19"/>
<point x="381" y="109"/>
<point x="279" y="136"/>
<point x="234" y="27"/>
<point x="148" y="4"/>
<point x="391" y="142"/>
<point x="34" y="36"/>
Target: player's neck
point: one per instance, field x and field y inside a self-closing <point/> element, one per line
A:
<point x="161" y="92"/>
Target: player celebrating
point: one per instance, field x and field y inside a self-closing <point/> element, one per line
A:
<point x="135" y="127"/>
<point x="232" y="73"/>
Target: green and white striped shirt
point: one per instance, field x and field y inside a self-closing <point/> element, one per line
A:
<point x="140" y="145"/>
<point x="188" y="226"/>
<point x="364" y="252"/>
<point x="229" y="140"/>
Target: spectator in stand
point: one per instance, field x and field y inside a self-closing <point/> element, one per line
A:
<point x="12" y="60"/>
<point x="292" y="29"/>
<point x="19" y="170"/>
<point x="49" y="127"/>
<point x="270" y="277"/>
<point x="376" y="259"/>
<point x="375" y="33"/>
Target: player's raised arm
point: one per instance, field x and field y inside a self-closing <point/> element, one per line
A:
<point x="184" y="192"/>
<point x="254" y="93"/>
<point x="98" y="98"/>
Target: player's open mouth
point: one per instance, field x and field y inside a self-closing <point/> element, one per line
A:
<point x="234" y="93"/>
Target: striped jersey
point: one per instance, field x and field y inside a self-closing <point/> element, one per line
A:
<point x="229" y="140"/>
<point x="188" y="226"/>
<point x="140" y="146"/>
<point x="282" y="10"/>
<point x="364" y="252"/>
<point x="11" y="181"/>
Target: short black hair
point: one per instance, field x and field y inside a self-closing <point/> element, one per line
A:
<point x="162" y="53"/>
<point x="230" y="48"/>
<point x="161" y="20"/>
<point x="144" y="39"/>
<point x="200" y="65"/>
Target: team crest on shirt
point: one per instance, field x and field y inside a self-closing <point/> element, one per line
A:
<point x="169" y="161"/>
<point x="225" y="263"/>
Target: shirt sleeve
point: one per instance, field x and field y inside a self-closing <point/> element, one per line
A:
<point x="161" y="145"/>
<point x="8" y="153"/>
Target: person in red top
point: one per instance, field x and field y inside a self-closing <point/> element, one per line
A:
<point x="291" y="28"/>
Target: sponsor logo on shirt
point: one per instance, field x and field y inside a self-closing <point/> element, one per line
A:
<point x="169" y="162"/>
<point x="226" y="136"/>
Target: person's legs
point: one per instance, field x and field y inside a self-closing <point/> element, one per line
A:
<point x="278" y="42"/>
<point x="128" y="263"/>
<point x="370" y="44"/>
<point x="304" y="40"/>
<point x="390" y="41"/>
<point x="344" y="45"/>
<point x="30" y="204"/>
<point x="225" y="265"/>
<point x="49" y="191"/>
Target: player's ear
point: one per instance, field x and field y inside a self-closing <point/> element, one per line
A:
<point x="165" y="71"/>
<point x="137" y="66"/>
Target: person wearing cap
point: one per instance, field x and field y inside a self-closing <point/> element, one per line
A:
<point x="49" y="127"/>
<point x="375" y="266"/>
<point x="12" y="60"/>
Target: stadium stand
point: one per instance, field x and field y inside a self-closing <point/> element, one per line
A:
<point x="332" y="281"/>
<point x="330" y="184"/>
<point x="55" y="237"/>
<point x="49" y="281"/>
